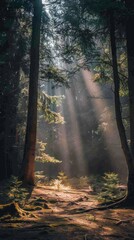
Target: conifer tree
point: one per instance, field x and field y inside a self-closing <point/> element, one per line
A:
<point x="30" y="141"/>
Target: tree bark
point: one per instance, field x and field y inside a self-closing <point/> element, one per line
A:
<point x="30" y="140"/>
<point x="130" y="57"/>
<point x="121" y="129"/>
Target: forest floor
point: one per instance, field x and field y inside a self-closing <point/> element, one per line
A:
<point x="58" y="218"/>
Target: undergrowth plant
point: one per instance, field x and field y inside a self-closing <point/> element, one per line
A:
<point x="40" y="178"/>
<point x="56" y="183"/>
<point x="12" y="191"/>
<point x="61" y="182"/>
<point x="63" y="178"/>
<point x="109" y="190"/>
<point x="84" y="181"/>
<point x="42" y="156"/>
<point x="105" y="187"/>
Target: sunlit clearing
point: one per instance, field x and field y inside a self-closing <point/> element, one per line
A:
<point x="57" y="184"/>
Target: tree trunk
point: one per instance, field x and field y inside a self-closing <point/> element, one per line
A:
<point x="9" y="86"/>
<point x="121" y="129"/>
<point x="30" y="141"/>
<point x="130" y="56"/>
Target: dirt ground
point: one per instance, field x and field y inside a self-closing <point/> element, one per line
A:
<point x="58" y="218"/>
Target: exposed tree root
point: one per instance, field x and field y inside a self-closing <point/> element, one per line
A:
<point x="124" y="202"/>
<point x="9" y="209"/>
<point x="112" y="202"/>
<point x="24" y="213"/>
<point x="119" y="221"/>
<point x="124" y="221"/>
<point x="13" y="209"/>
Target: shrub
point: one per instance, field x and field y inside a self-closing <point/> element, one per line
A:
<point x="62" y="177"/>
<point x="40" y="178"/>
<point x="12" y="191"/>
<point x="109" y="190"/>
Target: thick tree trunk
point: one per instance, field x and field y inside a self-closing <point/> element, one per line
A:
<point x="9" y="81"/>
<point x="30" y="141"/>
<point x="121" y="129"/>
<point x="130" y="56"/>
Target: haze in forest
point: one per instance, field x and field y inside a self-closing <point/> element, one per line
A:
<point x="88" y="142"/>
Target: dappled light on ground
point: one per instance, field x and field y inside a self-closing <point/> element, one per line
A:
<point x="57" y="218"/>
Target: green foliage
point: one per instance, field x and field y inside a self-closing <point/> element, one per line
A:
<point x="90" y="217"/>
<point x="12" y="191"/>
<point x="22" y="106"/>
<point x="56" y="100"/>
<point x="40" y="177"/>
<point x="103" y="72"/>
<point x="53" y="117"/>
<point x="109" y="189"/>
<point x="84" y="181"/>
<point x="56" y="183"/>
<point x="95" y="182"/>
<point x="55" y="74"/>
<point x="63" y="178"/>
<point x="48" y="104"/>
<point x="43" y="157"/>
<point x="61" y="182"/>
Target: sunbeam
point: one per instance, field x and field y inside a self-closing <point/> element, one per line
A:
<point x="88" y="141"/>
<point x="106" y="119"/>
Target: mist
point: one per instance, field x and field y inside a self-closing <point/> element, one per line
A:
<point x="88" y="142"/>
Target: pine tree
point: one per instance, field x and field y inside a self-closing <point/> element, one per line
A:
<point x="30" y="141"/>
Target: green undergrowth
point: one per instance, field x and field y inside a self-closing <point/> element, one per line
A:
<point x="109" y="188"/>
<point x="106" y="187"/>
<point x="12" y="190"/>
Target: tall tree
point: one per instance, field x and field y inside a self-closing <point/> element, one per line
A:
<point x="130" y="57"/>
<point x="30" y="141"/>
<point x="12" y="51"/>
<point x="129" y="158"/>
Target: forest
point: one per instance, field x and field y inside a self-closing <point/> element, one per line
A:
<point x="66" y="119"/>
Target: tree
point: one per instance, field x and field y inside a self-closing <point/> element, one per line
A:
<point x="13" y="48"/>
<point x="121" y="129"/>
<point x="130" y="57"/>
<point x="30" y="141"/>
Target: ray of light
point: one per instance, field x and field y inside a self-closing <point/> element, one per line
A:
<point x="77" y="144"/>
<point x="69" y="140"/>
<point x="84" y="108"/>
<point x="103" y="114"/>
<point x="63" y="146"/>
